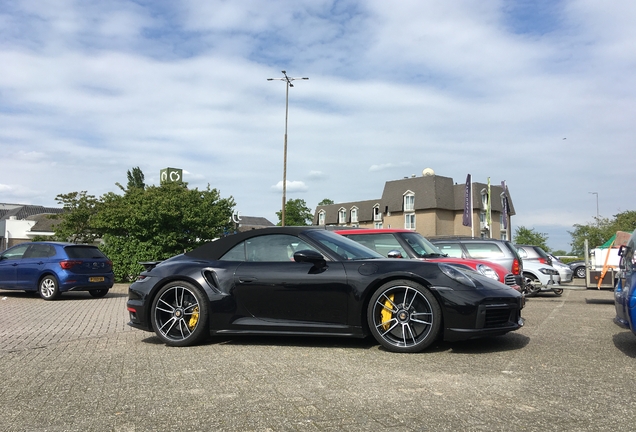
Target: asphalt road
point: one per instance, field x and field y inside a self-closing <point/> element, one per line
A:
<point x="74" y="365"/>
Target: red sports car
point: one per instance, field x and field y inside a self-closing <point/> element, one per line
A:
<point x="401" y="243"/>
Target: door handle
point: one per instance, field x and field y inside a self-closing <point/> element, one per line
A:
<point x="246" y="279"/>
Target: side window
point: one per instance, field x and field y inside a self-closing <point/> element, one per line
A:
<point x="381" y="243"/>
<point x="40" y="251"/>
<point x="267" y="248"/>
<point x="484" y="250"/>
<point x="15" y="253"/>
<point x="522" y="253"/>
<point x="451" y="249"/>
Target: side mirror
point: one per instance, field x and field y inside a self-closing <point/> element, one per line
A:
<point x="394" y="254"/>
<point x="310" y="256"/>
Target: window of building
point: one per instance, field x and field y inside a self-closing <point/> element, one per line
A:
<point x="377" y="215"/>
<point x="409" y="201"/>
<point x="377" y="225"/>
<point x="321" y="217"/>
<point x="409" y="221"/>
<point x="342" y="215"/>
<point x="354" y="215"/>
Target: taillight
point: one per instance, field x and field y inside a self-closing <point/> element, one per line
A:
<point x="515" y="267"/>
<point x="543" y="261"/>
<point x="68" y="264"/>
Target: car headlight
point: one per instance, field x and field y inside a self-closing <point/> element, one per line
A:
<point x="456" y="275"/>
<point x="487" y="271"/>
<point x="548" y="271"/>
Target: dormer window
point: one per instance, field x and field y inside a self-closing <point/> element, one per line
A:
<point x="377" y="215"/>
<point x="409" y="201"/>
<point x="321" y="217"/>
<point x="342" y="215"/>
<point x="354" y="215"/>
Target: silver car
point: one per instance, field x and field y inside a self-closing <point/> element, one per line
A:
<point x="564" y="270"/>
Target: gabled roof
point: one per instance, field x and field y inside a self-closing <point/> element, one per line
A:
<point x="253" y="222"/>
<point x="22" y="212"/>
<point x="365" y="211"/>
<point x="431" y="192"/>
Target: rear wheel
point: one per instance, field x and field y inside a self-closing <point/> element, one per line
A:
<point x="404" y="316"/>
<point x="180" y="314"/>
<point x="99" y="293"/>
<point x="557" y="291"/>
<point x="48" y="288"/>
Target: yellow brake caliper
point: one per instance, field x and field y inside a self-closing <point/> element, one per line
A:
<point x="194" y="319"/>
<point x="386" y="313"/>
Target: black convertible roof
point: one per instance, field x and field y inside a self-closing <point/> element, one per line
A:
<point x="217" y="248"/>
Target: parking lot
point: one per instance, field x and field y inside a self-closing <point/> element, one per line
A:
<point x="74" y="365"/>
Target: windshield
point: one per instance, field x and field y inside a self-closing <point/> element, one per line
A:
<point x="422" y="247"/>
<point x="341" y="246"/>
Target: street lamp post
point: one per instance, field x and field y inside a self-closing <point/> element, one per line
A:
<point x="597" y="214"/>
<point x="289" y="84"/>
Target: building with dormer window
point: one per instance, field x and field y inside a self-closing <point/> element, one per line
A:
<point x="430" y="204"/>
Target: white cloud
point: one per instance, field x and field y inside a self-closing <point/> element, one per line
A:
<point x="292" y="186"/>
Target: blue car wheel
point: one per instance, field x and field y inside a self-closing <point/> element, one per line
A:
<point x="49" y="288"/>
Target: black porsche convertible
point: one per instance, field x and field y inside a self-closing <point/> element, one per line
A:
<point x="310" y="281"/>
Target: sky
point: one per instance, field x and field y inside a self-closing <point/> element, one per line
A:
<point x="540" y="94"/>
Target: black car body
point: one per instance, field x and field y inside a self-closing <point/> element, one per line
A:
<point x="309" y="281"/>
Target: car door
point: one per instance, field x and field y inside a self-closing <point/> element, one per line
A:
<point x="36" y="258"/>
<point x="282" y="292"/>
<point x="9" y="261"/>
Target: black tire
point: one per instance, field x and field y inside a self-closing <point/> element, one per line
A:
<point x="404" y="316"/>
<point x="557" y="291"/>
<point x="532" y="285"/>
<point x="179" y="314"/>
<point x="99" y="293"/>
<point x="579" y="272"/>
<point x="48" y="288"/>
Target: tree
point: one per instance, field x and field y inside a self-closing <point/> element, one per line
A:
<point x="527" y="236"/>
<point x="601" y="230"/>
<point x="135" y="180"/>
<point x="326" y="201"/>
<point x="158" y="222"/>
<point x="75" y="222"/>
<point x="296" y="213"/>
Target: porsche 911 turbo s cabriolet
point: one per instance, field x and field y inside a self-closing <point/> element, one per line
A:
<point x="312" y="282"/>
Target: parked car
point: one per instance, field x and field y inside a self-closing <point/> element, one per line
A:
<point x="578" y="269"/>
<point x="541" y="277"/>
<point x="402" y="243"/>
<point x="52" y="268"/>
<point x="625" y="291"/>
<point x="311" y="281"/>
<point x="498" y="251"/>
<point x="565" y="272"/>
<point x="534" y="253"/>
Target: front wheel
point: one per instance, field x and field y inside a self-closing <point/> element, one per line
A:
<point x="49" y="288"/>
<point x="404" y="316"/>
<point x="532" y="286"/>
<point x="557" y="291"/>
<point x="180" y="314"/>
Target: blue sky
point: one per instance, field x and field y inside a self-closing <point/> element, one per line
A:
<point x="537" y="93"/>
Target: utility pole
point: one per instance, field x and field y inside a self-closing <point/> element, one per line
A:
<point x="289" y="84"/>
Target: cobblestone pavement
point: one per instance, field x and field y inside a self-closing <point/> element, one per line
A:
<point x="74" y="365"/>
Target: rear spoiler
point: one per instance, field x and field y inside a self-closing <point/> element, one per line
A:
<point x="149" y="265"/>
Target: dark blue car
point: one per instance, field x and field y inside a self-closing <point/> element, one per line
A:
<point x="51" y="268"/>
<point x="625" y="292"/>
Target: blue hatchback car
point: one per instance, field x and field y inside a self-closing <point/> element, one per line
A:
<point x="51" y="268"/>
<point x="625" y="292"/>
